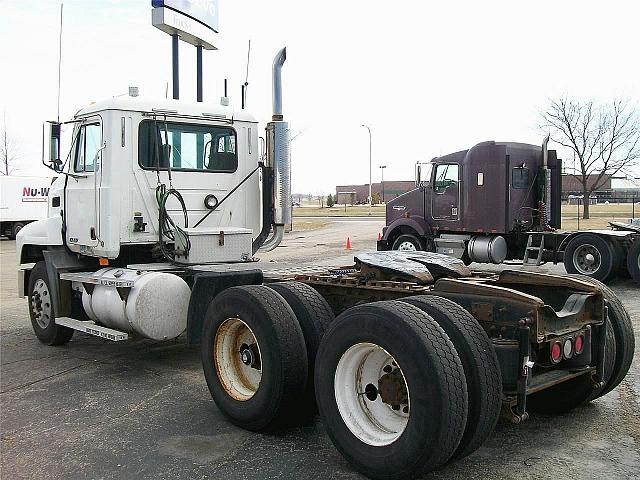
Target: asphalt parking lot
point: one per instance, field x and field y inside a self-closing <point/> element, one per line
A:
<point x="93" y="409"/>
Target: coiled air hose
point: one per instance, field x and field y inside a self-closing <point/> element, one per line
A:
<point x="168" y="227"/>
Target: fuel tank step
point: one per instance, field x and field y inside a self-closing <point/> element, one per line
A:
<point x="91" y="328"/>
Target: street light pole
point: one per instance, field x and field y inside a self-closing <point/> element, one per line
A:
<point x="382" y="167"/>
<point x="370" y="197"/>
<point x="291" y="139"/>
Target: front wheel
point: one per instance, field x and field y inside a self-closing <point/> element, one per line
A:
<point x="41" y="309"/>
<point x="407" y="243"/>
<point x="391" y="390"/>
<point x="15" y="229"/>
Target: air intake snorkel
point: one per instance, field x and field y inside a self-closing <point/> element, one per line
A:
<point x="278" y="160"/>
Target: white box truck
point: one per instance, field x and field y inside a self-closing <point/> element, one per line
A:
<point x="22" y="200"/>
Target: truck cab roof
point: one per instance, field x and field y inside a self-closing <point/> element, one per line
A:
<point x="179" y="108"/>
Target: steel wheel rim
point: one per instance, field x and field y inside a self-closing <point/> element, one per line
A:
<point x="587" y="259"/>
<point x="407" y="246"/>
<point x="41" y="304"/>
<point x="239" y="379"/>
<point x="374" y="422"/>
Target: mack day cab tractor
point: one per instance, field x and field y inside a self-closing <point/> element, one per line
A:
<point x="501" y="201"/>
<point x="152" y="230"/>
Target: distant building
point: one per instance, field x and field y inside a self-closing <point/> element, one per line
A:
<point x="572" y="186"/>
<point x="354" y="194"/>
<point x="616" y="189"/>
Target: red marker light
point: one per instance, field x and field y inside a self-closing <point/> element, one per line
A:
<point x="579" y="344"/>
<point x="556" y="352"/>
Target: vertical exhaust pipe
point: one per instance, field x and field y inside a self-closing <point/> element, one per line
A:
<point x="547" y="183"/>
<point x="278" y="158"/>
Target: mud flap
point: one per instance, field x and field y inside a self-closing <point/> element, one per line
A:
<point x="206" y="285"/>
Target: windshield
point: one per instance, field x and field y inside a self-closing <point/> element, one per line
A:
<point x="187" y="146"/>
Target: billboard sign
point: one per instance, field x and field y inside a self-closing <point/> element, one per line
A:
<point x="203" y="11"/>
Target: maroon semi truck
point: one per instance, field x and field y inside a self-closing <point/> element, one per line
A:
<point x="501" y="201"/>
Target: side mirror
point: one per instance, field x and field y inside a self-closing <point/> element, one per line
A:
<point x="51" y="146"/>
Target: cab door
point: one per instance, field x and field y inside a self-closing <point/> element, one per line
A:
<point x="82" y="200"/>
<point x="445" y="201"/>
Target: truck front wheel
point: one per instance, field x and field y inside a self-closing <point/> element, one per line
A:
<point x="590" y="255"/>
<point x="254" y="357"/>
<point x="41" y="309"/>
<point x="407" y="242"/>
<point x="15" y="228"/>
<point x="391" y="390"/>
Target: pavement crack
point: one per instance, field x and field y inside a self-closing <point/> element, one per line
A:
<point x="20" y="387"/>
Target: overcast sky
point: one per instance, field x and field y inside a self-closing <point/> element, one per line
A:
<point x="429" y="78"/>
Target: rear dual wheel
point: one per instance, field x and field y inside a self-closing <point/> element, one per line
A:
<point x="480" y="364"/>
<point x="391" y="390"/>
<point x="633" y="260"/>
<point x="623" y="334"/>
<point x="619" y="350"/>
<point x="258" y="350"/>
<point x="253" y="356"/>
<point x="593" y="256"/>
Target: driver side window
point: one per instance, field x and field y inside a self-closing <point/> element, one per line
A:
<point x="446" y="176"/>
<point x="89" y="141"/>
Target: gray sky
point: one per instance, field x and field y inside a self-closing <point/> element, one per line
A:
<point x="429" y="78"/>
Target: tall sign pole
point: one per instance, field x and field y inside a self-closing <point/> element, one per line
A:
<point x="192" y="22"/>
<point x="175" y="62"/>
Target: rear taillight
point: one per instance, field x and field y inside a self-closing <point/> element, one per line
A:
<point x="578" y="345"/>
<point x="556" y="352"/>
<point x="567" y="348"/>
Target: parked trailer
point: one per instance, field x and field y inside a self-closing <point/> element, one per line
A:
<point x="500" y="202"/>
<point x="409" y="357"/>
<point x="22" y="200"/>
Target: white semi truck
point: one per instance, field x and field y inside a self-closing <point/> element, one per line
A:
<point x="151" y="232"/>
<point x="22" y="201"/>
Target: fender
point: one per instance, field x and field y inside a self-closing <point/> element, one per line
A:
<point x="418" y="224"/>
<point x="46" y="232"/>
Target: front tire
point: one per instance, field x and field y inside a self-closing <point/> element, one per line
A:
<point x="391" y="390"/>
<point x="254" y="357"/>
<point x="42" y="311"/>
<point x="15" y="228"/>
<point x="407" y="243"/>
<point x="590" y="255"/>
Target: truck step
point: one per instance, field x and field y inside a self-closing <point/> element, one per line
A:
<point x="535" y="245"/>
<point x="88" y="326"/>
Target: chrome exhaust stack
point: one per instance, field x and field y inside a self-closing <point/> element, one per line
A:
<point x="278" y="158"/>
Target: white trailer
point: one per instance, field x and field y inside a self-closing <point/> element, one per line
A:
<point x="22" y="200"/>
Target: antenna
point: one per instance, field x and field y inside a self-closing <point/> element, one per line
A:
<point x="60" y="59"/>
<point x="245" y="86"/>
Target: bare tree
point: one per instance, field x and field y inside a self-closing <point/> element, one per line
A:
<point x="605" y="139"/>
<point x="9" y="154"/>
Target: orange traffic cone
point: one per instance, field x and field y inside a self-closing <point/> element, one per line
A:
<point x="348" y="243"/>
<point x="379" y="236"/>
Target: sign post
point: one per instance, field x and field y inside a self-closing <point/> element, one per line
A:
<point x="192" y="21"/>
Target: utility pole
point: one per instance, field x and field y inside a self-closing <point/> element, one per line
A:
<point x="382" y="167"/>
<point x="370" y="197"/>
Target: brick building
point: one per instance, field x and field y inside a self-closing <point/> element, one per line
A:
<point x="354" y="194"/>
